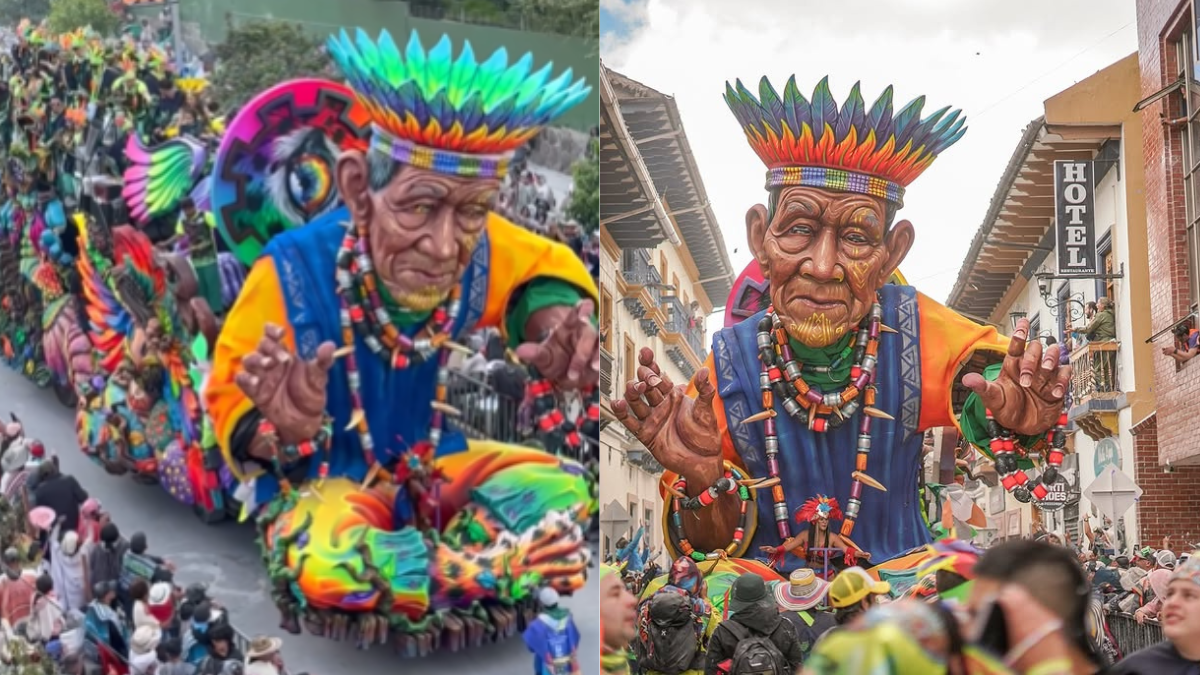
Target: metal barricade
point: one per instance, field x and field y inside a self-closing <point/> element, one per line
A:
<point x="486" y="413"/>
<point x="1130" y="635"/>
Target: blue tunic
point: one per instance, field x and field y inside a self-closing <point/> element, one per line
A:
<point x="396" y="402"/>
<point x="889" y="523"/>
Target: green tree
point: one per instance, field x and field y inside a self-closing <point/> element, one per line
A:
<point x="585" y="200"/>
<point x="12" y="11"/>
<point x="259" y="55"/>
<point x="68" y="15"/>
<point x="580" y="18"/>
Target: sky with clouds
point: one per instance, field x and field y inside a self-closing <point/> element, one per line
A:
<point x="997" y="60"/>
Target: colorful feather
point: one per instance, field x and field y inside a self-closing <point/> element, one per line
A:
<point x="854" y="149"/>
<point x="159" y="178"/>
<point x="458" y="105"/>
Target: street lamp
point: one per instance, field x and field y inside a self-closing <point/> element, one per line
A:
<point x="1014" y="317"/>
<point x="1072" y="303"/>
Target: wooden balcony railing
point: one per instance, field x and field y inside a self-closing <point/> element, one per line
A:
<point x="1095" y="371"/>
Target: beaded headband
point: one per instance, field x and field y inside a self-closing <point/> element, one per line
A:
<point x="452" y="115"/>
<point x="814" y="144"/>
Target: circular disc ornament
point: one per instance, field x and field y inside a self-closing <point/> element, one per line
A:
<point x="275" y="167"/>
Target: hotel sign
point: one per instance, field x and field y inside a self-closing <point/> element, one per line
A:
<point x="1075" y="217"/>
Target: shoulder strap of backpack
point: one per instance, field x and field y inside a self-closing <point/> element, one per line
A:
<point x="739" y="631"/>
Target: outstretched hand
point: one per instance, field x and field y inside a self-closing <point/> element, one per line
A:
<point x="569" y="356"/>
<point x="680" y="431"/>
<point x="288" y="391"/>
<point x="1027" y="397"/>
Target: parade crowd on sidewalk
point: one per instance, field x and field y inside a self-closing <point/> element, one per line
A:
<point x="1035" y="606"/>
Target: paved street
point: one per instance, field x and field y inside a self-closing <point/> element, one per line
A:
<point x="226" y="557"/>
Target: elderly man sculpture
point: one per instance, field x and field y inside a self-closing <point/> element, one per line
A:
<point x="828" y="389"/>
<point x="329" y="381"/>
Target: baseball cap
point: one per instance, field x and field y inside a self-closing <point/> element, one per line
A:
<point x="853" y="584"/>
<point x="1165" y="559"/>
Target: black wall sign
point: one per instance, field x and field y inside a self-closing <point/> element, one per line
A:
<point x="1059" y="495"/>
<point x="1075" y="217"/>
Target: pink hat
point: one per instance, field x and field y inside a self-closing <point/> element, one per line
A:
<point x="42" y="517"/>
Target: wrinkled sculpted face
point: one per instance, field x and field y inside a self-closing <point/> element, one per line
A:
<point x="423" y="227"/>
<point x="825" y="255"/>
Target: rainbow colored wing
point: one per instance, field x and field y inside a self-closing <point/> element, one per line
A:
<point x="274" y="169"/>
<point x="160" y="177"/>
<point x="108" y="321"/>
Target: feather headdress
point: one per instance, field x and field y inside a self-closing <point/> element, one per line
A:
<point x="819" y="507"/>
<point x="870" y="151"/>
<point x="451" y="115"/>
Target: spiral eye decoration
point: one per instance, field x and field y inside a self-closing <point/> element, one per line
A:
<point x="310" y="183"/>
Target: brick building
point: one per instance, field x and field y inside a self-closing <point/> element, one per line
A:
<point x="1168" y="440"/>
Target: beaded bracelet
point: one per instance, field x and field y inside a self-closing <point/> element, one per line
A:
<point x="1005" y="449"/>
<point x="733" y="474"/>
<point x="290" y="454"/>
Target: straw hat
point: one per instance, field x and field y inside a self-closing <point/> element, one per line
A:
<point x="15" y="458"/>
<point x="803" y="590"/>
<point x="160" y="594"/>
<point x="263" y="646"/>
<point x="145" y="639"/>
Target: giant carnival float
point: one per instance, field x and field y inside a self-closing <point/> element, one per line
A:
<point x="800" y="444"/>
<point x="258" y="313"/>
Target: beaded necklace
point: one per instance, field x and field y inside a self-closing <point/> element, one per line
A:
<point x="1006" y="448"/>
<point x="358" y="285"/>
<point x="782" y="378"/>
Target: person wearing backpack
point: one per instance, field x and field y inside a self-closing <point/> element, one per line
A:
<point x="553" y="638"/>
<point x="667" y="642"/>
<point x="755" y="639"/>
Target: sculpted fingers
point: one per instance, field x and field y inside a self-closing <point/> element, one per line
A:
<point x="580" y="368"/>
<point x="1062" y="383"/>
<point x="990" y="393"/>
<point x="620" y="410"/>
<point x="646" y="358"/>
<point x="1048" y="366"/>
<point x="633" y="396"/>
<point x="1029" y="363"/>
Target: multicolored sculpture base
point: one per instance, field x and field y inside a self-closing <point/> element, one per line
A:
<point x="509" y="521"/>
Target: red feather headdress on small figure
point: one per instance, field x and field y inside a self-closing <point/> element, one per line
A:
<point x="819" y="507"/>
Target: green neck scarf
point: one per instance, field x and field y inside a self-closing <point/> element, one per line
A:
<point x="556" y="613"/>
<point x="838" y="356"/>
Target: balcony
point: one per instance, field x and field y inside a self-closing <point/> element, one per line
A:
<point x="682" y="335"/>
<point x="641" y="289"/>
<point x="1096" y="396"/>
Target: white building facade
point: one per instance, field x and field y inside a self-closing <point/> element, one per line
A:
<point x="663" y="269"/>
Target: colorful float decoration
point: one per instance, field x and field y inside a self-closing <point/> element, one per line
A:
<point x="446" y="548"/>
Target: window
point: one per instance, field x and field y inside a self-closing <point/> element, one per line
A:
<point x="663" y="269"/>
<point x="606" y="318"/>
<point x="1035" y="327"/>
<point x="633" y="509"/>
<point x="630" y="361"/>
<point x="1186" y="59"/>
<point x="1104" y="287"/>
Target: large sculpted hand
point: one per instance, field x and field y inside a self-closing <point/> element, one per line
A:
<point x="288" y="391"/>
<point x="569" y="354"/>
<point x="1027" y="397"/>
<point x="680" y="431"/>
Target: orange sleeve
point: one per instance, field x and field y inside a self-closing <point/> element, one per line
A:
<point x="948" y="340"/>
<point x="519" y="256"/>
<point x="260" y="302"/>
